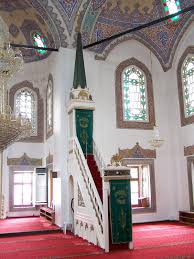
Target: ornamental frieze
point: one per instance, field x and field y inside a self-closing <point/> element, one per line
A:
<point x="24" y="160"/>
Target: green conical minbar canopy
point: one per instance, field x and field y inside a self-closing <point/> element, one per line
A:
<point x="79" y="72"/>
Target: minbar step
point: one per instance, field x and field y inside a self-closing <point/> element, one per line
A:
<point x="186" y="217"/>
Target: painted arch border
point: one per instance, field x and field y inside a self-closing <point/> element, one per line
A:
<point x="166" y="66"/>
<point x="118" y="96"/>
<point x="58" y="27"/>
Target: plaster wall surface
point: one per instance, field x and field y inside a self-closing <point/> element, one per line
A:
<point x="180" y="136"/>
<point x="101" y="80"/>
<point x="62" y="70"/>
<point x="38" y="76"/>
<point x="170" y="164"/>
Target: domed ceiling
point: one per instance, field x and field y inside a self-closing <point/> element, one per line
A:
<point x="59" y="20"/>
<point x="25" y="17"/>
<point x="105" y="18"/>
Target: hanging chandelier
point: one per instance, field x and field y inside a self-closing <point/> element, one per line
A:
<point x="12" y="127"/>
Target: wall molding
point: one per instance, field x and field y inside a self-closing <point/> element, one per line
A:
<point x="134" y="153"/>
<point x="24" y="160"/>
<point x="137" y="152"/>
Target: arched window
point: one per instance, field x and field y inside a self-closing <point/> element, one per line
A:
<point x="188" y="84"/>
<point x="24" y="99"/>
<point x="171" y="7"/>
<point x="39" y="41"/>
<point x="133" y="94"/>
<point x="49" y="107"/>
<point x="185" y="74"/>
<point x="26" y="106"/>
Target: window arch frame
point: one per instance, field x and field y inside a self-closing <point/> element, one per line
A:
<point x="49" y="131"/>
<point x="39" y="137"/>
<point x="121" y="123"/>
<point x="36" y="104"/>
<point x="184" y="120"/>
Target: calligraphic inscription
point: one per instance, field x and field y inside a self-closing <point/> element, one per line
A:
<point x="120" y="208"/>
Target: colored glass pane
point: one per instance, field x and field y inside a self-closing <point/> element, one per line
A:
<point x="134" y="95"/>
<point x="39" y="41"/>
<point x="171" y="7"/>
<point x="25" y="106"/>
<point x="188" y="86"/>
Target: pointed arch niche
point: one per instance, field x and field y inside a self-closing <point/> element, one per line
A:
<point x="133" y="74"/>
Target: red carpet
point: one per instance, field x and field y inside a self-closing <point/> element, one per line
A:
<point x="95" y="174"/>
<point x="167" y="240"/>
<point x="47" y="246"/>
<point x="15" y="225"/>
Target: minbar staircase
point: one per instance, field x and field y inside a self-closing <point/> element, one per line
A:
<point x="186" y="217"/>
<point x="90" y="224"/>
<point x="98" y="182"/>
<point x="95" y="173"/>
<point x="88" y="221"/>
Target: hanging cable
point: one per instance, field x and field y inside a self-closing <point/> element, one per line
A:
<point x="140" y="27"/>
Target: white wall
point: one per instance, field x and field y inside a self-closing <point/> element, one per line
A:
<point x="109" y="138"/>
<point x="180" y="136"/>
<point x="37" y="74"/>
<point x="62" y="71"/>
<point x="170" y="165"/>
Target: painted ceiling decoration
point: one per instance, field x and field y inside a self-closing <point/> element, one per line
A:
<point x="59" y="20"/>
<point x="26" y="17"/>
<point x="117" y="16"/>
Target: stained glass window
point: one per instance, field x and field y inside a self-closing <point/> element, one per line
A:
<point x="134" y="95"/>
<point x="39" y="41"/>
<point x="49" y="105"/>
<point x="188" y="85"/>
<point x="25" y="106"/>
<point x="171" y="7"/>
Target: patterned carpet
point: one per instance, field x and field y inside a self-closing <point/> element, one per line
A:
<point x="18" y="225"/>
<point x="167" y="240"/>
<point x="47" y="246"/>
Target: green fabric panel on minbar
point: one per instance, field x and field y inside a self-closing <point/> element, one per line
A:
<point x="84" y="129"/>
<point x="120" y="211"/>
